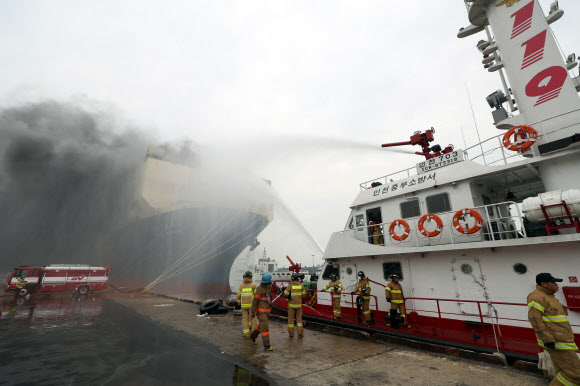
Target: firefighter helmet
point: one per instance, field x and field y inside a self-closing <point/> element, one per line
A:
<point x="394" y="276"/>
<point x="295" y="276"/>
<point x="248" y="275"/>
<point x="267" y="278"/>
<point x="333" y="276"/>
<point x="361" y="275"/>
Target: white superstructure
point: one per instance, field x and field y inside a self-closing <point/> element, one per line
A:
<point x="500" y="257"/>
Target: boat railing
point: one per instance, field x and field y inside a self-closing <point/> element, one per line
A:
<point x="489" y="152"/>
<point x="500" y="221"/>
<point x="484" y="313"/>
<point x="374" y="305"/>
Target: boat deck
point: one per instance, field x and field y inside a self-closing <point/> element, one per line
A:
<point x="434" y="323"/>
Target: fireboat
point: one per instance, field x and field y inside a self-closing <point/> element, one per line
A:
<point x="466" y="231"/>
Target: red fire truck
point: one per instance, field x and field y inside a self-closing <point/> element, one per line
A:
<point x="80" y="278"/>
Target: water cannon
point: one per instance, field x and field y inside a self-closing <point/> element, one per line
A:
<point x="423" y="139"/>
<point x="293" y="266"/>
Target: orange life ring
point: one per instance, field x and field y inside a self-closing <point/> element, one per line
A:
<point x="528" y="136"/>
<point x="405" y="233"/>
<point x="430" y="216"/>
<point x="474" y="228"/>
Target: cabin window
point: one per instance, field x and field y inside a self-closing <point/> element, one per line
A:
<point x="392" y="268"/>
<point x="520" y="268"/>
<point x="330" y="269"/>
<point x="34" y="271"/>
<point x="410" y="209"/>
<point x="22" y="273"/>
<point x="466" y="269"/>
<point x="438" y="203"/>
<point x="360" y="221"/>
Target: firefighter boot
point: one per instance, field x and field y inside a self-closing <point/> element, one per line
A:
<point x="394" y="320"/>
<point x="269" y="348"/>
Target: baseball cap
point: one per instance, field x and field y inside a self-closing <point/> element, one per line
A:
<point x="545" y="277"/>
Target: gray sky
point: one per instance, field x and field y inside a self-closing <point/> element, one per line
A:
<point x="282" y="86"/>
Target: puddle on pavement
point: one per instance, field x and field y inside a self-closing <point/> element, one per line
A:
<point x="92" y="340"/>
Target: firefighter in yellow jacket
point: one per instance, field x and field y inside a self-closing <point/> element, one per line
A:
<point x="246" y="294"/>
<point x="336" y="288"/>
<point x="394" y="293"/>
<point x="364" y="288"/>
<point x="262" y="306"/>
<point x="553" y="331"/>
<point x="295" y="292"/>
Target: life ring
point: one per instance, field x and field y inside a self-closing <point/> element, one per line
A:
<point x="430" y="216"/>
<point x="528" y="136"/>
<point x="405" y="233"/>
<point x="474" y="228"/>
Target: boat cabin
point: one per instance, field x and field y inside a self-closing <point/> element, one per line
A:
<point x="455" y="199"/>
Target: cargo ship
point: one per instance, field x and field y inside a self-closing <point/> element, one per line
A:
<point x="185" y="227"/>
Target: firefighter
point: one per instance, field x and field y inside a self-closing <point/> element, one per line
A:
<point x="549" y="320"/>
<point x="295" y="293"/>
<point x="394" y="294"/>
<point x="336" y="286"/>
<point x="364" y="288"/>
<point x="377" y="234"/>
<point x="20" y="285"/>
<point x="246" y="294"/>
<point x="261" y="305"/>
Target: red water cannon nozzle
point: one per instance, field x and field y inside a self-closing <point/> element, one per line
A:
<point x="293" y="266"/>
<point x="423" y="139"/>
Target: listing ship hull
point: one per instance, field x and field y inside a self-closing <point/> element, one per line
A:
<point x="211" y="238"/>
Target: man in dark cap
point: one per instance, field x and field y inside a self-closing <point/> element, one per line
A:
<point x="549" y="319"/>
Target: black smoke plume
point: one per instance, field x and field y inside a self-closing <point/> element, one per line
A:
<point x="67" y="178"/>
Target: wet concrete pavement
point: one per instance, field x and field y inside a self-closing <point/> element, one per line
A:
<point x="325" y="359"/>
<point x="59" y="340"/>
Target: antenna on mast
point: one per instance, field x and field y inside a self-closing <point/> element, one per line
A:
<point x="475" y="122"/>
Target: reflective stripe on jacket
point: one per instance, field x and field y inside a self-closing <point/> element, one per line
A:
<point x="363" y="286"/>
<point x="261" y="301"/>
<point x="395" y="292"/>
<point x="246" y="293"/>
<point x="549" y="320"/>
<point x="333" y="284"/>
<point x="298" y="293"/>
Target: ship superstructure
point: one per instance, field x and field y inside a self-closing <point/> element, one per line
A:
<point x="466" y="231"/>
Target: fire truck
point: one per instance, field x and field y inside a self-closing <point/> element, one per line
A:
<point x="80" y="278"/>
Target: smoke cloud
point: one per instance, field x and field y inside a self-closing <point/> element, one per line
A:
<point x="65" y="181"/>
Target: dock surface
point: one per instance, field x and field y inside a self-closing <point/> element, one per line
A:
<point x="321" y="358"/>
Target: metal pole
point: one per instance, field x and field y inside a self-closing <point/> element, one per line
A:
<point x="502" y="151"/>
<point x="475" y="122"/>
<point x="501" y="75"/>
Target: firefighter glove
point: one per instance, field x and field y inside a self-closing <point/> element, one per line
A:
<point x="364" y="293"/>
<point x="352" y="293"/>
<point x="335" y="288"/>
<point x="550" y="345"/>
<point x="253" y="315"/>
<point x="388" y="299"/>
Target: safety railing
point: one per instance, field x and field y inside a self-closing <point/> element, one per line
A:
<point x="491" y="317"/>
<point x="352" y="298"/>
<point x="489" y="152"/>
<point x="500" y="221"/>
<point x="352" y="302"/>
